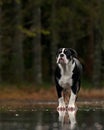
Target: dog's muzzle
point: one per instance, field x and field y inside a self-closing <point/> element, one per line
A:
<point x="61" y="59"/>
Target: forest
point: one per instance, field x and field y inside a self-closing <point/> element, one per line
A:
<point x="31" y="31"/>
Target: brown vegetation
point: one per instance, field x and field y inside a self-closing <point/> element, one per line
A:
<point x="45" y="94"/>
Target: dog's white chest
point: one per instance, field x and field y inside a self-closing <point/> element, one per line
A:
<point x="66" y="80"/>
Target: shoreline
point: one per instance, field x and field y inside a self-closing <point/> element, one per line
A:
<point x="18" y="98"/>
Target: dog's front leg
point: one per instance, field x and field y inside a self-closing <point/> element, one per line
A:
<point x="73" y="96"/>
<point x="61" y="102"/>
<point x="71" y="105"/>
<point x="61" y="105"/>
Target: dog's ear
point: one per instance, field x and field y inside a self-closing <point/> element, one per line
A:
<point x="73" y="52"/>
<point x="58" y="51"/>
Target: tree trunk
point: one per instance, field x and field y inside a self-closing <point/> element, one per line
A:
<point x="17" y="57"/>
<point x="97" y="61"/>
<point x="90" y="49"/>
<point x="0" y="59"/>
<point x="102" y="70"/>
<point x="54" y="42"/>
<point x="71" y="39"/>
<point x="0" y="44"/>
<point x="37" y="61"/>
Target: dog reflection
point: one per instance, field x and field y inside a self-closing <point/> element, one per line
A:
<point x="67" y="118"/>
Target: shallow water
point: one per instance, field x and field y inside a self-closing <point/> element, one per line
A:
<point x="91" y="118"/>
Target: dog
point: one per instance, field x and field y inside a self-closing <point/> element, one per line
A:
<point x="67" y="77"/>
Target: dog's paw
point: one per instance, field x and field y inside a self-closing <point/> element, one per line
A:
<point x="72" y="107"/>
<point x="61" y="108"/>
<point x="62" y="105"/>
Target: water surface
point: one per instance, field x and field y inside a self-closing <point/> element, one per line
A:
<point x="91" y="118"/>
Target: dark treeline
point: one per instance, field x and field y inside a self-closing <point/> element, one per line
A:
<point x="31" y="31"/>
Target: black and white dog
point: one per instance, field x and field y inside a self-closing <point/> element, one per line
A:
<point x="67" y="76"/>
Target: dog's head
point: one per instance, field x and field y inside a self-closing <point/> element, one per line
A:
<point x="65" y="55"/>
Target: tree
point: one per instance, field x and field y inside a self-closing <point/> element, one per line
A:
<point x="97" y="64"/>
<point x="97" y="59"/>
<point x="55" y="39"/>
<point x="0" y="42"/>
<point x="36" y="28"/>
<point x="17" y="45"/>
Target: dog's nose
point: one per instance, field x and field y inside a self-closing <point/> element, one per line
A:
<point x="61" y="55"/>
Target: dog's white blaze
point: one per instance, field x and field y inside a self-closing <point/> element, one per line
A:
<point x="66" y="75"/>
<point x="63" y="50"/>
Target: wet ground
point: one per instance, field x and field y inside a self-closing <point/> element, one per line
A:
<point x="32" y="115"/>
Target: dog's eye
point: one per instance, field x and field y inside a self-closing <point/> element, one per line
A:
<point x="66" y="51"/>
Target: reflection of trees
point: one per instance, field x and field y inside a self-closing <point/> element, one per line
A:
<point x="39" y="121"/>
<point x="89" y="119"/>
